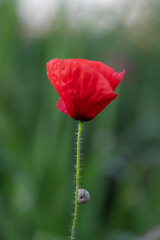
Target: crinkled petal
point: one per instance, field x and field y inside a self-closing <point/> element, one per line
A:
<point x="84" y="89"/>
<point x="105" y="70"/>
<point x="112" y="77"/>
<point x="97" y="108"/>
<point x="61" y="106"/>
<point x="117" y="78"/>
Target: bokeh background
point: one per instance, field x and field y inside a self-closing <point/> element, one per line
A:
<point x="121" y="146"/>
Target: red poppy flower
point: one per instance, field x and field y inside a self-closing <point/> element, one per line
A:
<point x="85" y="87"/>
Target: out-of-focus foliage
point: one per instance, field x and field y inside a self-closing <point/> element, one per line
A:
<point x="121" y="148"/>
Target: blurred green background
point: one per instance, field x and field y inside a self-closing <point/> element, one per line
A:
<point x="121" y="146"/>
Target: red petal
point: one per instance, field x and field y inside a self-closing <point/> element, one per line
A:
<point x="99" y="106"/>
<point x="61" y="106"/>
<point x="105" y="70"/>
<point x="117" y="78"/>
<point x="83" y="89"/>
<point x="113" y="78"/>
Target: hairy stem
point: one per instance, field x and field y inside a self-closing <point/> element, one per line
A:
<point x="77" y="180"/>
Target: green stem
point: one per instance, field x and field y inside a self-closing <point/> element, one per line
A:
<point x="77" y="180"/>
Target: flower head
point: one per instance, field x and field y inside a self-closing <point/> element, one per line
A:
<point x="85" y="87"/>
